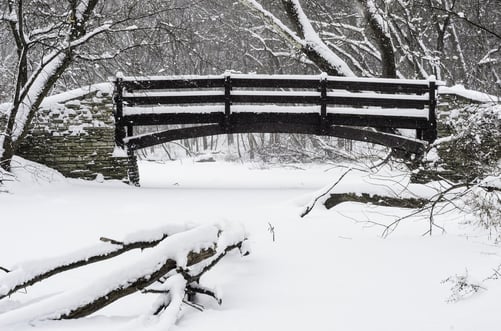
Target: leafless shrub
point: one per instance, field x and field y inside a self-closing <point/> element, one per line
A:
<point x="462" y="287"/>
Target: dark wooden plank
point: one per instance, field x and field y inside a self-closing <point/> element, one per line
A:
<point x="376" y="121"/>
<point x="172" y="99"/>
<point x="279" y="118"/>
<point x="118" y="99"/>
<point x="314" y="83"/>
<point x="431" y="133"/>
<point x="380" y="138"/>
<point x="378" y="87"/>
<point x="389" y="140"/>
<point x="376" y="102"/>
<point x="241" y="98"/>
<point x="249" y="82"/>
<point x="218" y="117"/>
<point x="239" y="82"/>
<point x="275" y="99"/>
<point x="173" y="84"/>
<point x="153" y="139"/>
<point x="173" y="118"/>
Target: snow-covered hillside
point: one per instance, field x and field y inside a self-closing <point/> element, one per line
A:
<point x="330" y="270"/>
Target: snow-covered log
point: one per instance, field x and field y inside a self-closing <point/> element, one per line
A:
<point x="378" y="200"/>
<point x="188" y="254"/>
<point x="30" y="273"/>
<point x="373" y="188"/>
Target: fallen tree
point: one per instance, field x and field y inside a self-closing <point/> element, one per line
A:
<point x="171" y="266"/>
<point x="29" y="274"/>
<point x="481" y="198"/>
<point x="375" y="199"/>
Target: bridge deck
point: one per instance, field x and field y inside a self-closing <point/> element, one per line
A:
<point x="334" y="106"/>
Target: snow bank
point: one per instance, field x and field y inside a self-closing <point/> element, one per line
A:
<point x="28" y="172"/>
<point x="461" y="91"/>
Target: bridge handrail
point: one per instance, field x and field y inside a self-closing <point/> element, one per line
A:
<point x="320" y="90"/>
<point x="278" y="81"/>
<point x="354" y="90"/>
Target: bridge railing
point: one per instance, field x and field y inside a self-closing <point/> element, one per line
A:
<point x="345" y="91"/>
<point x="382" y="103"/>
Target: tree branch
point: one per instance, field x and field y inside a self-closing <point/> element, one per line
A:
<point x="308" y="208"/>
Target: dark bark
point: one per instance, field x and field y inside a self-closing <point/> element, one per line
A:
<point x="383" y="41"/>
<point x="149" y="279"/>
<point x="375" y="199"/>
<point x="137" y="285"/>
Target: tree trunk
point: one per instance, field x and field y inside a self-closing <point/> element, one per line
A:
<point x="382" y="36"/>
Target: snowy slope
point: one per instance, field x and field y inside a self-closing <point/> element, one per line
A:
<point x="328" y="271"/>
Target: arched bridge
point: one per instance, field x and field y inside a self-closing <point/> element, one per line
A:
<point x="365" y="109"/>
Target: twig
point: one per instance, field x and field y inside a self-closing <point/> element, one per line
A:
<point x="195" y="288"/>
<point x="271" y="229"/>
<point x="144" y="291"/>
<point x="195" y="278"/>
<point x="111" y="241"/>
<point x="382" y="162"/>
<point x="310" y="207"/>
<point x="194" y="305"/>
<point x="4" y="269"/>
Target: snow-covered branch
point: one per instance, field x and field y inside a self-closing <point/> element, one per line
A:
<point x="488" y="59"/>
<point x="275" y="23"/>
<point x="308" y="41"/>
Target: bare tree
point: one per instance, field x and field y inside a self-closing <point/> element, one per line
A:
<point x="49" y="37"/>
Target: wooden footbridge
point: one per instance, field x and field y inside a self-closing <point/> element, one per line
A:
<point x="365" y="109"/>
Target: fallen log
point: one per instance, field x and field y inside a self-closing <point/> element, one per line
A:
<point x="187" y="254"/>
<point x="193" y="257"/>
<point x="378" y="200"/>
<point x="122" y="290"/>
<point x="27" y="275"/>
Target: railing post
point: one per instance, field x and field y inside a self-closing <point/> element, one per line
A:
<point x="227" y="99"/>
<point x="118" y="98"/>
<point x="323" y="102"/>
<point x="430" y="134"/>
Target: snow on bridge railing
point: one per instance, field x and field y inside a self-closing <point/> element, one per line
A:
<point x="277" y="81"/>
<point x="235" y="89"/>
<point x="224" y="99"/>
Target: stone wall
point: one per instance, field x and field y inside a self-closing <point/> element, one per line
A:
<point x="470" y="147"/>
<point x="74" y="133"/>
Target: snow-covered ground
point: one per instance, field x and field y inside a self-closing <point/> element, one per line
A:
<point x="330" y="270"/>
